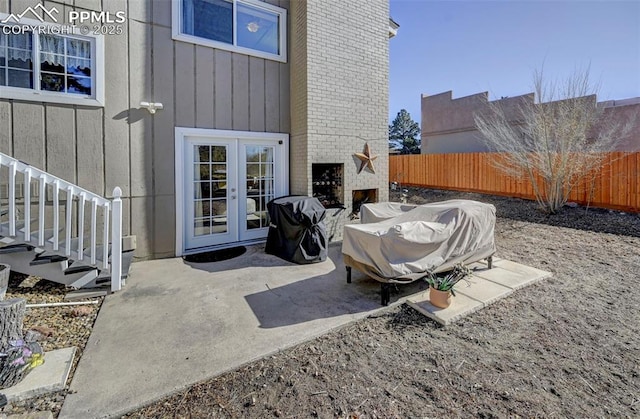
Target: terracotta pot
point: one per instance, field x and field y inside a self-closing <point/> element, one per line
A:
<point x="439" y="298"/>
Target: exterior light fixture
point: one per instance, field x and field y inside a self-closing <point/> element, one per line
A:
<point x="151" y="106"/>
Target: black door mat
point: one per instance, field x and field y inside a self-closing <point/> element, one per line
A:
<point x="216" y="255"/>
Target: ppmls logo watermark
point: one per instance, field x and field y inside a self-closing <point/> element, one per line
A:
<point x="104" y="23"/>
<point x="32" y="12"/>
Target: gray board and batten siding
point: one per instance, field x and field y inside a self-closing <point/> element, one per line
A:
<point x="120" y="144"/>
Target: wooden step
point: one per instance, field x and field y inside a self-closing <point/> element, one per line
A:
<point x="43" y="261"/>
<point x="4" y="228"/>
<point x="21" y="262"/>
<point x="78" y="268"/>
<point x="16" y="248"/>
<point x="87" y="280"/>
<point x="42" y="258"/>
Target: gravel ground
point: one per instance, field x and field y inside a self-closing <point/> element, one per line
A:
<point x="566" y="347"/>
<point x="61" y="327"/>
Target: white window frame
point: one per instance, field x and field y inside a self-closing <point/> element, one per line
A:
<point x="282" y="57"/>
<point x="37" y="95"/>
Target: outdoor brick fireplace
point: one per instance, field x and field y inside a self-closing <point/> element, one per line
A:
<point x="341" y="107"/>
<point x="326" y="184"/>
<point x="362" y="196"/>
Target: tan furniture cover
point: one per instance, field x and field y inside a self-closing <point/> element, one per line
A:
<point x="405" y="241"/>
<point x="372" y="213"/>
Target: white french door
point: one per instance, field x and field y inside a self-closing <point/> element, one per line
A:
<point x="257" y="171"/>
<point x="227" y="179"/>
<point x="211" y="205"/>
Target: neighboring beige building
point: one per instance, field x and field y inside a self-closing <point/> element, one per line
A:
<point x="258" y="99"/>
<point x="447" y="124"/>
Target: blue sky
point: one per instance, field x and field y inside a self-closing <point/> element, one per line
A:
<point x="475" y="46"/>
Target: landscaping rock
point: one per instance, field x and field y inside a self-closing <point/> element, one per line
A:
<point x="81" y="311"/>
<point x="57" y="328"/>
<point x="43" y="330"/>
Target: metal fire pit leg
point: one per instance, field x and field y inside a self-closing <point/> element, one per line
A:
<point x="490" y="261"/>
<point x="385" y="294"/>
<point x="348" y="274"/>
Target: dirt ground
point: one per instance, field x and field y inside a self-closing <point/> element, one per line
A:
<point x="59" y="327"/>
<point x="565" y="347"/>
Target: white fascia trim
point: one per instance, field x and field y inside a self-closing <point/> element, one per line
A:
<point x="221" y="133"/>
<point x="179" y="167"/>
<point x="228" y="47"/>
<point x="38" y="96"/>
<point x="99" y="70"/>
<point x="176" y="35"/>
<point x="393" y="28"/>
<point x="286" y="165"/>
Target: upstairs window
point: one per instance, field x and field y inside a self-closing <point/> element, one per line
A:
<point x="248" y="26"/>
<point x="48" y="67"/>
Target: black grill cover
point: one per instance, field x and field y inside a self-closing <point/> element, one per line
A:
<point x="297" y="232"/>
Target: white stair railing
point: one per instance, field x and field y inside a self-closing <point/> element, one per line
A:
<point x="110" y="210"/>
<point x="116" y="246"/>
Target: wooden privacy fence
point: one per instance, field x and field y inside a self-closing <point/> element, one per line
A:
<point x="616" y="186"/>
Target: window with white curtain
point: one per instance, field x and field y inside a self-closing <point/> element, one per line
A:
<point x="49" y="68"/>
<point x="65" y="65"/>
<point x="248" y="26"/>
<point x="16" y="61"/>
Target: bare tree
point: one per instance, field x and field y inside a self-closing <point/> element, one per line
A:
<point x="553" y="141"/>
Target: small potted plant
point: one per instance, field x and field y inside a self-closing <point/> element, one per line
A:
<point x="441" y="287"/>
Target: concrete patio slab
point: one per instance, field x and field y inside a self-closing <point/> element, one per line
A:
<point x="482" y="290"/>
<point x="484" y="261"/>
<point x="30" y="415"/>
<point x="48" y="377"/>
<point x="460" y="307"/>
<point x="513" y="275"/>
<point x="484" y="287"/>
<point x="475" y="266"/>
<point x="151" y="338"/>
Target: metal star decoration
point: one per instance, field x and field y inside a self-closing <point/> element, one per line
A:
<point x="366" y="159"/>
